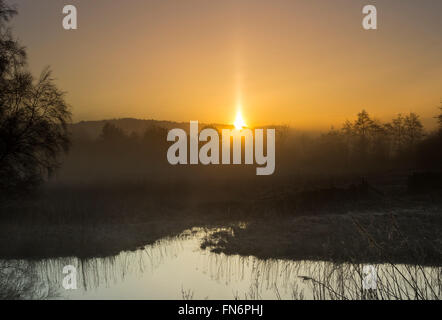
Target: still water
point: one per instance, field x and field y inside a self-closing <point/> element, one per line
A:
<point x="178" y="268"/>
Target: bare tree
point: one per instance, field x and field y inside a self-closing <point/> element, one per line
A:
<point x="33" y="115"/>
<point x="414" y="130"/>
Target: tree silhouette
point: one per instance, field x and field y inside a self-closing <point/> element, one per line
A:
<point x="112" y="134"/>
<point x="396" y="132"/>
<point x="405" y="132"/>
<point x="33" y="115"/>
<point x="414" y="130"/>
<point x="439" y="117"/>
<point x="363" y="124"/>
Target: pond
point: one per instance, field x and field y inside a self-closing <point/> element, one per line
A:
<point x="177" y="268"/>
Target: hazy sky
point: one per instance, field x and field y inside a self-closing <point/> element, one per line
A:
<point x="299" y="62"/>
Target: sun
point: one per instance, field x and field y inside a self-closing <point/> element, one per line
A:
<point x="239" y="121"/>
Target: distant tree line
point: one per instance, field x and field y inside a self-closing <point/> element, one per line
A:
<point x="361" y="146"/>
<point x="116" y="153"/>
<point x="366" y="144"/>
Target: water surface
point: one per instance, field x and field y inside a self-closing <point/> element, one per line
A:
<point x="178" y="268"/>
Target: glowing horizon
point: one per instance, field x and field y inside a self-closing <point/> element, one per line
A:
<point x="307" y="65"/>
<point x="239" y="121"/>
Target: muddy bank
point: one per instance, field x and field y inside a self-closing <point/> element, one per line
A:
<point x="352" y="221"/>
<point x="396" y="237"/>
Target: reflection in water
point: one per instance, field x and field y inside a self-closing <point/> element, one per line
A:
<point x="178" y="269"/>
<point x="19" y="280"/>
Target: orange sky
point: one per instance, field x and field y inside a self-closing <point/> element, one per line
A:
<point x="308" y="64"/>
